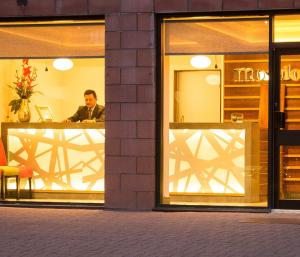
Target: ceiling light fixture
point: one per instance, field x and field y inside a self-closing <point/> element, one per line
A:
<point x="200" y="61"/>
<point x="63" y="64"/>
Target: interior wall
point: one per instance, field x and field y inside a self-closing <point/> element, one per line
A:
<point x="6" y="70"/>
<point x="62" y="91"/>
<point x="182" y="62"/>
<point x="49" y="83"/>
<point x="86" y="74"/>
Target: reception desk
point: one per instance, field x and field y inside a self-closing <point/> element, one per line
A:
<point x="213" y="160"/>
<point x="66" y="157"/>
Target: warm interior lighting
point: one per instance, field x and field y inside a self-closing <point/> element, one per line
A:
<point x="200" y="61"/>
<point x="63" y="64"/>
<point x="286" y="28"/>
<point x="210" y="147"/>
<point x="213" y="79"/>
<point x="81" y="168"/>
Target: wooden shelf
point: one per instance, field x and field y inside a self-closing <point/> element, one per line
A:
<point x="241" y="85"/>
<point x="290" y="60"/>
<point x="251" y="120"/>
<point x="250" y="99"/>
<point x="241" y="109"/>
<point x="247" y="61"/>
<point x="292" y="109"/>
<point x="291" y="167"/>
<point x="291" y="155"/>
<point x="292" y="179"/>
<point x="292" y="85"/>
<point x="242" y="97"/>
<point x="292" y="97"/>
<point x="292" y="120"/>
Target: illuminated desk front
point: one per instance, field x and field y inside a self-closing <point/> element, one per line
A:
<point x="64" y="157"/>
<point x="214" y="159"/>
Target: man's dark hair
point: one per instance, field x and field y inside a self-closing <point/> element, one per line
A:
<point x="89" y="92"/>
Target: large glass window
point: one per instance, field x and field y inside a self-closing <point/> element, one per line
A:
<point x="215" y="111"/>
<point x="287" y="28"/>
<point x="67" y="158"/>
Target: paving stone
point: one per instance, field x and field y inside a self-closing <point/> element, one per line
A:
<point x="34" y="232"/>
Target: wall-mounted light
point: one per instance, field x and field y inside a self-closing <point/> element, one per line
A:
<point x="63" y="64"/>
<point x="200" y="61"/>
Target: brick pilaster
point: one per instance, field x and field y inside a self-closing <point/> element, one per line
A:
<point x="130" y="99"/>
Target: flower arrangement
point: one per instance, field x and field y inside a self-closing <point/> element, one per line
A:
<point x="23" y="86"/>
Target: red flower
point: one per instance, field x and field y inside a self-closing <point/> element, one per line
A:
<point x="23" y="84"/>
<point x="26" y="71"/>
<point x="25" y="61"/>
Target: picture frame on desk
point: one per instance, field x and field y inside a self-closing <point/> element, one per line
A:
<point x="44" y="113"/>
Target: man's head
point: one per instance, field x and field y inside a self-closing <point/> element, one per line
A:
<point x="90" y="98"/>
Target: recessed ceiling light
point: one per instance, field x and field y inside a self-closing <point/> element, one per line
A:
<point x="63" y="64"/>
<point x="200" y="61"/>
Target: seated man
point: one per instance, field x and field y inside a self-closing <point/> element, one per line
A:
<point x="91" y="112"/>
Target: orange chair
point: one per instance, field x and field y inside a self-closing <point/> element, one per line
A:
<point x="13" y="171"/>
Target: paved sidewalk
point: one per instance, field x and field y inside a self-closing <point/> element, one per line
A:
<point x="85" y="233"/>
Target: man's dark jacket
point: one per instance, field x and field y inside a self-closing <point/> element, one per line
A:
<point x="83" y="114"/>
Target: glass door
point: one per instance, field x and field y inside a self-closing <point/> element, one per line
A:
<point x="287" y="128"/>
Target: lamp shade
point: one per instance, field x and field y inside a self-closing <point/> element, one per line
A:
<point x="63" y="64"/>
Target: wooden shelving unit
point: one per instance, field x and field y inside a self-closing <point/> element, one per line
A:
<point x="290" y="155"/>
<point x="291" y="104"/>
<point x="242" y="98"/>
<point x="250" y="99"/>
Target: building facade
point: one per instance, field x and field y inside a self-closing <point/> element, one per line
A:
<point x="140" y="43"/>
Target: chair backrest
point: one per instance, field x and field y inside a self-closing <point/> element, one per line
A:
<point x="3" y="160"/>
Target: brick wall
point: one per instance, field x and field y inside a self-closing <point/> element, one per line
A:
<point x="130" y="81"/>
<point x="130" y="97"/>
<point x="9" y="8"/>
